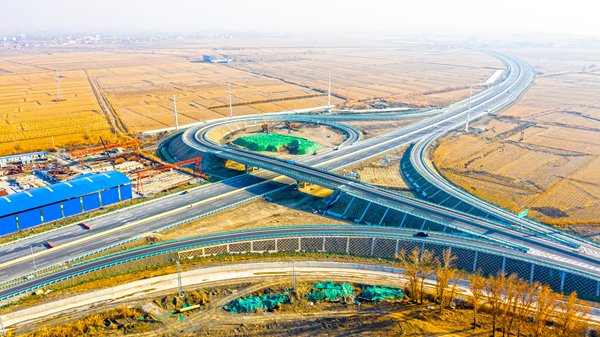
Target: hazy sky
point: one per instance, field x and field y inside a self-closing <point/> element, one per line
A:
<point x="401" y="16"/>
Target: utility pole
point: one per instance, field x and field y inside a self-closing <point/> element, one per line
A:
<point x="175" y="111"/>
<point x="329" y="91"/>
<point x="294" y="275"/>
<point x="469" y="111"/>
<point x="59" y="94"/>
<point x="230" y="104"/>
<point x="179" y="283"/>
<point x="33" y="257"/>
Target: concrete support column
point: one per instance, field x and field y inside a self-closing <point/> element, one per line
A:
<point x="562" y="280"/>
<point x="365" y="212"/>
<point x="404" y="218"/>
<point x="531" y="274"/>
<point x="323" y="249"/>
<point x="383" y="217"/>
<point x="347" y="245"/>
<point x="503" y="264"/>
<point x="398" y="247"/>
<point x="475" y="263"/>
<point x="348" y="207"/>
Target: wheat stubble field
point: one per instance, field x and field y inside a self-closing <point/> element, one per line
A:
<point x="139" y="84"/>
<point x="544" y="152"/>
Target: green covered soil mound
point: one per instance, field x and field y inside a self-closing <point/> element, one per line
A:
<point x="274" y="142"/>
<point x="249" y="304"/>
<point x="329" y="291"/>
<point x="376" y="294"/>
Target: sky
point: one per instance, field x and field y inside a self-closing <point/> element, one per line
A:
<point x="330" y="16"/>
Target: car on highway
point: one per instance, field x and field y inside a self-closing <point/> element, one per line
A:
<point x="184" y="192"/>
<point x="84" y="225"/>
<point x="422" y="235"/>
<point x="291" y="162"/>
<point x="48" y="245"/>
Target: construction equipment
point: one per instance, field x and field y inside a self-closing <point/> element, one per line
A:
<point x="291" y="126"/>
<point x="107" y="154"/>
<point x="265" y="128"/>
<point x="134" y="143"/>
<point x="197" y="171"/>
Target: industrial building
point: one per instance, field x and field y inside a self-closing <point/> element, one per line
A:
<point x="23" y="157"/>
<point x="45" y="204"/>
<point x="211" y="59"/>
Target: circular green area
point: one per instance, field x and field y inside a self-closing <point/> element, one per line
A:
<point x="273" y="142"/>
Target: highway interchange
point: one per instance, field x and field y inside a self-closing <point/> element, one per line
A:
<point x="15" y="262"/>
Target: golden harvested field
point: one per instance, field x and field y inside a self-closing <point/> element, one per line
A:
<point x="139" y="84"/>
<point x="31" y="120"/>
<point x="544" y="152"/>
<point x="415" y="76"/>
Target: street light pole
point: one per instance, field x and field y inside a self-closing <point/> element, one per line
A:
<point x="32" y="257"/>
<point x="230" y="104"/>
<point x="469" y="111"/>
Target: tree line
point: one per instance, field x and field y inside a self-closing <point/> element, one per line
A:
<point x="512" y="302"/>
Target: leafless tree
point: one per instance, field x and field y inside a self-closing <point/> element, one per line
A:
<point x="445" y="279"/>
<point x="409" y="263"/>
<point x="508" y="307"/>
<point x="478" y="286"/>
<point x="426" y="267"/>
<point x="571" y="315"/>
<point x="524" y="304"/>
<point x="494" y="290"/>
<point x="544" y="307"/>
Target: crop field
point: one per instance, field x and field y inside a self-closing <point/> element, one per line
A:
<point x="143" y="96"/>
<point x="139" y="85"/>
<point x="32" y="118"/>
<point x="420" y="77"/>
<point x="544" y="152"/>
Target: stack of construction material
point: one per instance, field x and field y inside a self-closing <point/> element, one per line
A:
<point x="249" y="304"/>
<point x="376" y="294"/>
<point x="329" y="291"/>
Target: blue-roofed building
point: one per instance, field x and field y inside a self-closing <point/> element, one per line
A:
<point x="46" y="204"/>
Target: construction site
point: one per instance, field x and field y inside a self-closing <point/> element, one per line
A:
<point x="226" y="186"/>
<point x="149" y="174"/>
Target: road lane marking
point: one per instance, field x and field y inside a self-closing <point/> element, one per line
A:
<point x="131" y="224"/>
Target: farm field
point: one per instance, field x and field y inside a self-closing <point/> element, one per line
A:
<point x="544" y="152"/>
<point x="32" y="118"/>
<point x="406" y="75"/>
<point x="139" y="85"/>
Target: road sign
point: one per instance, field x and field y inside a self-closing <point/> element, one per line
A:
<point x="524" y="213"/>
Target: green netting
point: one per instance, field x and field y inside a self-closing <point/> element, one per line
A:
<point x="273" y="142"/>
<point x="330" y="291"/>
<point x="375" y="293"/>
<point x="248" y="304"/>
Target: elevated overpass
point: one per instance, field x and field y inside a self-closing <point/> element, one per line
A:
<point x="453" y="226"/>
<point x="381" y="242"/>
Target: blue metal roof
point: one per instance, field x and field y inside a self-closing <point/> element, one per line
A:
<point x="81" y="185"/>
